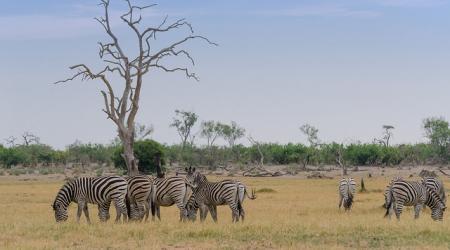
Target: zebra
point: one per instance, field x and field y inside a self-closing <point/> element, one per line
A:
<point x="139" y="190"/>
<point x="96" y="190"/>
<point x="167" y="192"/>
<point x="208" y="195"/>
<point x="417" y="194"/>
<point x="347" y="189"/>
<point x="435" y="184"/>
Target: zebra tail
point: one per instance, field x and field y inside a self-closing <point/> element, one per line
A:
<point x="152" y="201"/>
<point x="127" y="203"/>
<point x="389" y="203"/>
<point x="238" y="201"/>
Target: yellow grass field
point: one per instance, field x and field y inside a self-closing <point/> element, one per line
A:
<point x="299" y="214"/>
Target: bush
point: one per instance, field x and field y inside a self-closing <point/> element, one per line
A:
<point x="145" y="151"/>
<point x="12" y="157"/>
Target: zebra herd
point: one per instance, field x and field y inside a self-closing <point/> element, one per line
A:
<point x="134" y="197"/>
<point x="429" y="192"/>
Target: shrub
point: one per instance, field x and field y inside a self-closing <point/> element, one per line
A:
<point x="145" y="151"/>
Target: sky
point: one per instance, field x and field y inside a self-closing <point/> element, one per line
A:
<point x="345" y="67"/>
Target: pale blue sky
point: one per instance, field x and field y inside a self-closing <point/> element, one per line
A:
<point x="346" y="67"/>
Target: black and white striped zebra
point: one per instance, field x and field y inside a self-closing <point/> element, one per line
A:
<point x="138" y="195"/>
<point x="96" y="190"/>
<point x="169" y="191"/>
<point x="208" y="195"/>
<point x="417" y="194"/>
<point x="347" y="190"/>
<point x="435" y="184"/>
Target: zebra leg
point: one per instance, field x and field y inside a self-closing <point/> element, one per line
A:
<point x="242" y="214"/>
<point x="121" y="209"/>
<point x="417" y="209"/>
<point x="158" y="212"/>
<point x="398" y="209"/>
<point x="213" y="211"/>
<point x="203" y="212"/>
<point x="147" y="212"/>
<point x="340" y="202"/>
<point x="80" y="210"/>
<point x="86" y="213"/>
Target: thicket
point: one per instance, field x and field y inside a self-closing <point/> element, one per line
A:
<point x="214" y="156"/>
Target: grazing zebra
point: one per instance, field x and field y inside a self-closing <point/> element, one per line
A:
<point x="169" y="191"/>
<point x="139" y="190"/>
<point x="96" y="190"/>
<point x="208" y="195"/>
<point x="347" y="189"/>
<point x="435" y="184"/>
<point x="411" y="193"/>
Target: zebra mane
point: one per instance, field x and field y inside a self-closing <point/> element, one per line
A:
<point x="69" y="190"/>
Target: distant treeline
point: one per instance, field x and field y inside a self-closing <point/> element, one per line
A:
<point x="325" y="154"/>
<point x="378" y="153"/>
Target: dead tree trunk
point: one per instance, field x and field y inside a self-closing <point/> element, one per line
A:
<point x="121" y="106"/>
<point x="128" y="152"/>
<point x="340" y="162"/>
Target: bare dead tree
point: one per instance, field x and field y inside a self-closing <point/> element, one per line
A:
<point x="258" y="146"/>
<point x="11" y="141"/>
<point x="29" y="138"/>
<point x="142" y="131"/>
<point x="340" y="161"/>
<point x="121" y="106"/>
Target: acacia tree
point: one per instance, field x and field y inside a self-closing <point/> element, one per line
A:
<point x="311" y="133"/>
<point x="211" y="130"/>
<point x="231" y="133"/>
<point x="183" y="122"/>
<point x="387" y="135"/>
<point x="121" y="105"/>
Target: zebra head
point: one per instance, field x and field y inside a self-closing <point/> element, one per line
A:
<point x="191" y="209"/>
<point x="435" y="203"/>
<point x="135" y="213"/>
<point x="103" y="213"/>
<point x="60" y="210"/>
<point x="62" y="201"/>
<point x="190" y="174"/>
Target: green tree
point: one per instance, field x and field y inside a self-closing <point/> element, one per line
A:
<point x="146" y="152"/>
<point x="438" y="132"/>
<point x="184" y="121"/>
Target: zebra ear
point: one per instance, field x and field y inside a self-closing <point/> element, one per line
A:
<point x="193" y="170"/>
<point x="186" y="169"/>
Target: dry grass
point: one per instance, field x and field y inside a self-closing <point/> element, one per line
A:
<point x="299" y="214"/>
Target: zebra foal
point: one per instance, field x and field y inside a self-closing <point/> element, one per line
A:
<point x="96" y="190"/>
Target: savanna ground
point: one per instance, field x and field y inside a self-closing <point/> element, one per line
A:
<point x="290" y="213"/>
